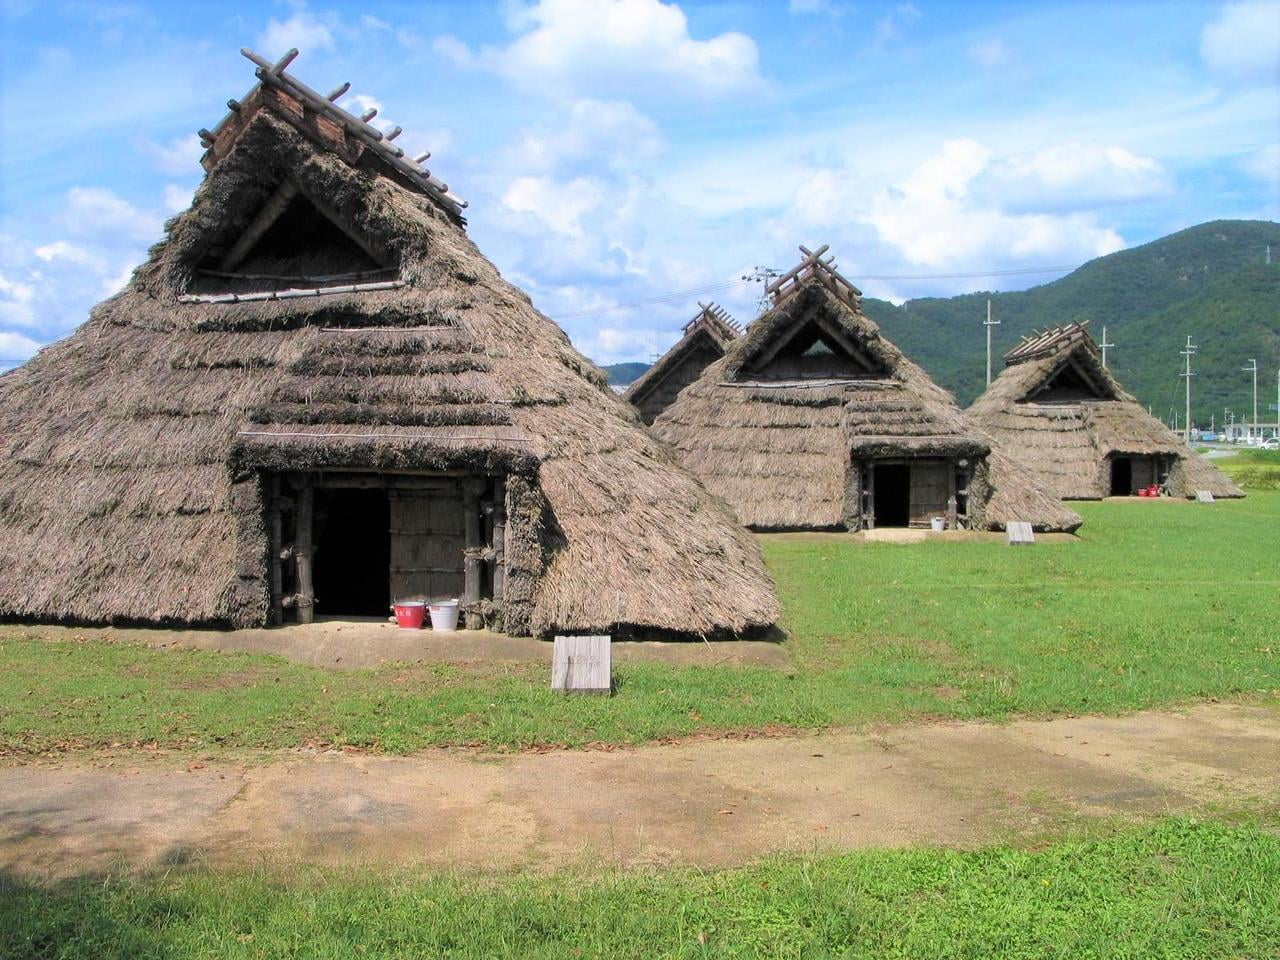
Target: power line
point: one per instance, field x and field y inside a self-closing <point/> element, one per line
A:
<point x="730" y="284"/>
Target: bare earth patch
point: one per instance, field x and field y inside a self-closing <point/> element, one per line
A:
<point x="712" y="802"/>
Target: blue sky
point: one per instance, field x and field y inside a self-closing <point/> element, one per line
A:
<point x="620" y="150"/>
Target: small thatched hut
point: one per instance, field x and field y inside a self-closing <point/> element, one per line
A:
<point x="1062" y="415"/>
<point x="704" y="341"/>
<point x="814" y="420"/>
<point x="317" y="392"/>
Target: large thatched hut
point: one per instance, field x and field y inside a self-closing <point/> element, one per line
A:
<point x="317" y="393"/>
<point x="815" y="420"/>
<point x="703" y="341"/>
<point x="1063" y="416"/>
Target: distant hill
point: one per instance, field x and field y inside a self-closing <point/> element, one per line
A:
<point x="1208" y="281"/>
<point x="622" y="374"/>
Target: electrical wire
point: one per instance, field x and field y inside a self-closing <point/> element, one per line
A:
<point x="677" y="295"/>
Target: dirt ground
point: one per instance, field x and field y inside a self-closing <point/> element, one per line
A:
<point x="354" y="644"/>
<point x="709" y="802"/>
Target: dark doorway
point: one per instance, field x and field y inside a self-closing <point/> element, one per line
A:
<point x="353" y="553"/>
<point x="893" y="495"/>
<point x="1121" y="477"/>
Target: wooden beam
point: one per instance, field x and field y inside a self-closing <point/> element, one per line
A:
<point x="269" y="214"/>
<point x="472" y="561"/>
<point x="277" y="572"/>
<point x="500" y="539"/>
<point x="302" y="555"/>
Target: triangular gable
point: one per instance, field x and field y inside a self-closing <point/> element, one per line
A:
<point x="1075" y="376"/>
<point x="805" y="338"/>
<point x="291" y="237"/>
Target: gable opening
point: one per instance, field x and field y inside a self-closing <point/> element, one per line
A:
<point x="1073" y="382"/>
<point x="814" y="352"/>
<point x="291" y="241"/>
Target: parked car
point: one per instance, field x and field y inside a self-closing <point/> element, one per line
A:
<point x="1271" y="443"/>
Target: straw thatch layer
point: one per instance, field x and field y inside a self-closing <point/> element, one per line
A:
<point x="131" y="453"/>
<point x="705" y="340"/>
<point x="1065" y="437"/>
<point x="780" y="451"/>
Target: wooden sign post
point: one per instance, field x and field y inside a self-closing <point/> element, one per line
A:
<point x="582" y="665"/>
<point x="1019" y="532"/>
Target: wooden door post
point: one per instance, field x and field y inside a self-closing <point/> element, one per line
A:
<point x="303" y="553"/>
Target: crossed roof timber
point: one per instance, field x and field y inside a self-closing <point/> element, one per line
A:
<point x="273" y="75"/>
<point x="715" y="317"/>
<point x="1049" y="341"/>
<point x="815" y="267"/>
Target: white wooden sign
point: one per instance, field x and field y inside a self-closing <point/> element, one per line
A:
<point x="582" y="665"/>
<point x="1019" y="532"/>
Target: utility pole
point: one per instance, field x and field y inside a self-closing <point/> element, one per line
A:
<point x="1189" y="351"/>
<point x="989" y="324"/>
<point x="1104" y="346"/>
<point x="1253" y="368"/>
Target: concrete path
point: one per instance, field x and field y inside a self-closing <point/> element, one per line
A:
<point x="354" y="644"/>
<point x="704" y="802"/>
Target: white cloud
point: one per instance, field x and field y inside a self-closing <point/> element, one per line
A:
<point x="1244" y="42"/>
<point x="453" y="50"/>
<point x="1263" y="164"/>
<point x="1076" y="175"/>
<point x="827" y="7"/>
<point x="891" y="26"/>
<point x="302" y="30"/>
<point x="560" y="206"/>
<point x="97" y="211"/>
<point x="177" y="198"/>
<point x="116" y="283"/>
<point x="614" y="48"/>
<point x="989" y="53"/>
<point x="17" y="292"/>
<point x="62" y="250"/>
<point x="933" y="220"/>
<point x="593" y="132"/>
<point x="179" y="157"/>
<point x="16" y="348"/>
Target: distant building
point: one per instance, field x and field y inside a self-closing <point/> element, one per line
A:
<point x="1062" y="415"/>
<point x="814" y="419"/>
<point x="706" y="337"/>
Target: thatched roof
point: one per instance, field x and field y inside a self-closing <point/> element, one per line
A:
<point x="1061" y="414"/>
<point x="778" y="449"/>
<point x="704" y="340"/>
<point x="123" y="446"/>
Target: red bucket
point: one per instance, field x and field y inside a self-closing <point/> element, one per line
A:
<point x="410" y="614"/>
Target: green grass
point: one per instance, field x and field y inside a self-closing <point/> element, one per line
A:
<point x="1157" y="603"/>
<point x="1174" y="889"/>
<point x="1253" y="469"/>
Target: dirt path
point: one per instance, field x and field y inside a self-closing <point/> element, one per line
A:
<point x="712" y="803"/>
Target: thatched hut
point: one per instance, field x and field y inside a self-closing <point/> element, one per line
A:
<point x="1063" y="416"/>
<point x="704" y="340"/>
<point x="814" y="420"/>
<point x="316" y="392"/>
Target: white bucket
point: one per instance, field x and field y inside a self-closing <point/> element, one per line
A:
<point x="444" y="615"/>
<point x="937" y="524"/>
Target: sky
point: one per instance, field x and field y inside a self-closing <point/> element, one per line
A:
<point x="624" y="159"/>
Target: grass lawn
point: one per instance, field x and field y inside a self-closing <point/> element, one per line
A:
<point x="1157" y="603"/>
<point x="1254" y="469"/>
<point x="1177" y="888"/>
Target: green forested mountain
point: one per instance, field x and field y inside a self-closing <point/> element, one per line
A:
<point x="1209" y="281"/>
<point x="621" y="374"/>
